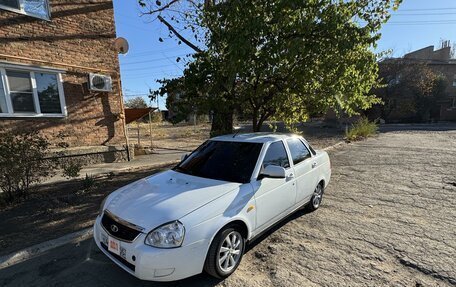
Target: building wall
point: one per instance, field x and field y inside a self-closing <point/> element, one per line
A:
<point x="78" y="39"/>
<point x="447" y="111"/>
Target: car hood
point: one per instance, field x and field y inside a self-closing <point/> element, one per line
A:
<point x="164" y="197"/>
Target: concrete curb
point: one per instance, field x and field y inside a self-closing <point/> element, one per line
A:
<point x="38" y="249"/>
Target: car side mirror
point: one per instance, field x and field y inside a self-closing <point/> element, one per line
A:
<point x="273" y="171"/>
<point x="184" y="156"/>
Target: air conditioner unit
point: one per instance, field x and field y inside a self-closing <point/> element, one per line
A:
<point x="100" y="83"/>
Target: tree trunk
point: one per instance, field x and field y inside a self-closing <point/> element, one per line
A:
<point x="259" y="119"/>
<point x="222" y="123"/>
<point x="260" y="124"/>
<point x="255" y="126"/>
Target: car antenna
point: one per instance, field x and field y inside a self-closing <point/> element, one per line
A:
<point x="236" y="133"/>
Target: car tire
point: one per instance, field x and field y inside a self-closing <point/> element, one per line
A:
<point x="317" y="198"/>
<point x="224" y="256"/>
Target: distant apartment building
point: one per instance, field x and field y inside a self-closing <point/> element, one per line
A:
<point x="439" y="61"/>
<point x="59" y="74"/>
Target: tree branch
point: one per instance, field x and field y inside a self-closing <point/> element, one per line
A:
<point x="164" y="7"/>
<point x="171" y="28"/>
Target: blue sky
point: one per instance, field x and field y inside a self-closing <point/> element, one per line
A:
<point x="416" y="24"/>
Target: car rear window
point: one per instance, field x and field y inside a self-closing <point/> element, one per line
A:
<point x="222" y="160"/>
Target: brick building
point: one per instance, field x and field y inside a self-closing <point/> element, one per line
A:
<point x="48" y="49"/>
<point x="440" y="61"/>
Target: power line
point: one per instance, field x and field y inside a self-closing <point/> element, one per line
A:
<point x="428" y="9"/>
<point x="148" y="51"/>
<point x="146" y="68"/>
<point x="428" y="23"/>
<point x="166" y="50"/>
<point x="138" y="95"/>
<point x="154" y="76"/>
<point x="423" y="14"/>
<point x="152" y="60"/>
<point x="152" y="53"/>
<point x="423" y="21"/>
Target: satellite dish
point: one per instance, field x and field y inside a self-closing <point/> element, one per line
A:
<point x="121" y="45"/>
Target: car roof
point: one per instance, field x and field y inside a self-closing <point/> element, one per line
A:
<point x="254" y="137"/>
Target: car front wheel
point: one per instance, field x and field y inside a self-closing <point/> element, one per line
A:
<point x="225" y="253"/>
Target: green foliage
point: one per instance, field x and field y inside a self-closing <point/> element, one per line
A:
<point x="88" y="183"/>
<point x="285" y="59"/>
<point x="71" y="167"/>
<point x="22" y="163"/>
<point x="155" y="117"/>
<point x="136" y="103"/>
<point x="361" y="129"/>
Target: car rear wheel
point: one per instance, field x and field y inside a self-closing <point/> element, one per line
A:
<point x="225" y="253"/>
<point x="317" y="197"/>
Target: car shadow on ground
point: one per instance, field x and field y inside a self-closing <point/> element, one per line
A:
<point x="83" y="264"/>
<point x="205" y="280"/>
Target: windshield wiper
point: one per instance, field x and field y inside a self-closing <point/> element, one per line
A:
<point x="181" y="169"/>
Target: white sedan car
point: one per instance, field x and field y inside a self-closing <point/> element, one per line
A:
<point x="201" y="214"/>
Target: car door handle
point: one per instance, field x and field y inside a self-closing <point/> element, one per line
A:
<point x="314" y="165"/>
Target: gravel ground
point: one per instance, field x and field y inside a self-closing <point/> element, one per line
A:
<point x="388" y="219"/>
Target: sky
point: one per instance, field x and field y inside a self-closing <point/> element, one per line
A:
<point x="416" y="24"/>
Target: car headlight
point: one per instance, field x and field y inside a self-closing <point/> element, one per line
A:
<point x="100" y="212"/>
<point x="169" y="235"/>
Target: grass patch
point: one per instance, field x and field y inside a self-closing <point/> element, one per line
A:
<point x="361" y="129"/>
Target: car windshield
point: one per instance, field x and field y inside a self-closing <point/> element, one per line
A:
<point x="222" y="160"/>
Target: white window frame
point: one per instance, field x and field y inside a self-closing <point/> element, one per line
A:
<point x="31" y="70"/>
<point x="22" y="11"/>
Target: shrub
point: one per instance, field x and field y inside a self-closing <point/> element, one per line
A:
<point x="361" y="129"/>
<point x="155" y="117"/>
<point x="88" y="183"/>
<point x="71" y="167"/>
<point x="22" y="163"/>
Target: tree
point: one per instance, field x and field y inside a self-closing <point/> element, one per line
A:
<point x="410" y="87"/>
<point x="285" y="59"/>
<point x="136" y="103"/>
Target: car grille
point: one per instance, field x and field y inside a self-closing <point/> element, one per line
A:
<point x="119" y="230"/>
<point x="120" y="259"/>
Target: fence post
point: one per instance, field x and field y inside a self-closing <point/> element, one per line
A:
<point x="139" y="137"/>
<point x="150" y="130"/>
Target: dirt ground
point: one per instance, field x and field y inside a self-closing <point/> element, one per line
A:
<point x="188" y="137"/>
<point x="387" y="219"/>
<point x="54" y="210"/>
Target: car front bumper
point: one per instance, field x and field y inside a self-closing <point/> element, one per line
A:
<point x="154" y="264"/>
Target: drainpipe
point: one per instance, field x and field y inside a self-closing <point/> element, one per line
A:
<point x="122" y="110"/>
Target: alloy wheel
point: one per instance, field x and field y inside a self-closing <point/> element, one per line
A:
<point x="230" y="251"/>
<point x="317" y="196"/>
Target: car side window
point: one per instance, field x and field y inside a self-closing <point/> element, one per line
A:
<point x="298" y="150"/>
<point x="310" y="147"/>
<point x="276" y="155"/>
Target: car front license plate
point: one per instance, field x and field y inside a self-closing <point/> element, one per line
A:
<point x="113" y="245"/>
